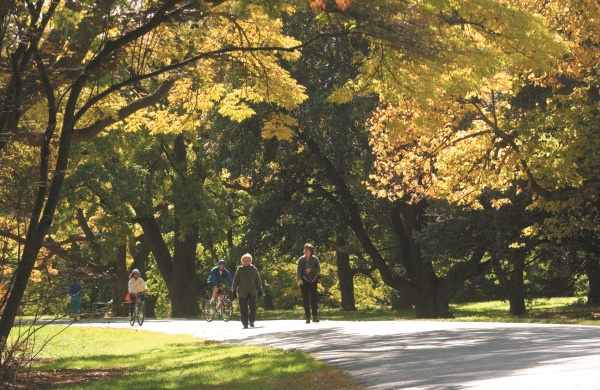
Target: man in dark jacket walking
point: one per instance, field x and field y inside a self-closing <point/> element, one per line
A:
<point x="247" y="285"/>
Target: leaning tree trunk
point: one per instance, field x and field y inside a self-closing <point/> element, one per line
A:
<point x="46" y="200"/>
<point x="17" y="288"/>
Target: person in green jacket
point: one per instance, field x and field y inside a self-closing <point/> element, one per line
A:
<point x="247" y="286"/>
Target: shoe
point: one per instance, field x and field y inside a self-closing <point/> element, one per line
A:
<point x="252" y="324"/>
<point x="315" y="319"/>
<point x="245" y="326"/>
<point x="308" y="320"/>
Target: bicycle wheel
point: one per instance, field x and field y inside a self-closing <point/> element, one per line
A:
<point x="226" y="310"/>
<point x="133" y="316"/>
<point x="140" y="312"/>
<point x="209" y="310"/>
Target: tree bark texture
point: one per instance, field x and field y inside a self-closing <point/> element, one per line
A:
<point x="592" y="269"/>
<point x="119" y="285"/>
<point x="346" y="278"/>
<point x="516" y="287"/>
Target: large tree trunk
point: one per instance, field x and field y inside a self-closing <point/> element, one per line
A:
<point x="512" y="282"/>
<point x="428" y="301"/>
<point x="183" y="291"/>
<point x="516" y="287"/>
<point x="178" y="270"/>
<point x="592" y="269"/>
<point x="345" y="275"/>
<point x="119" y="290"/>
<point x="346" y="278"/>
<point x="427" y="306"/>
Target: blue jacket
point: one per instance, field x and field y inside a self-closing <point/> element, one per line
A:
<point x="75" y="289"/>
<point x="217" y="279"/>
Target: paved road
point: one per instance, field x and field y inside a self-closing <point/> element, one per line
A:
<point x="424" y="354"/>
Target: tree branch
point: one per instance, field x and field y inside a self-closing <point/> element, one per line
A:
<point x="87" y="133"/>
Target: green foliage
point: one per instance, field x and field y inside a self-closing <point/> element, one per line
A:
<point x="484" y="94"/>
<point x="280" y="281"/>
<point x="157" y="287"/>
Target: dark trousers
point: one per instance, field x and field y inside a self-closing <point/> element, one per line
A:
<point x="309" y="293"/>
<point x="248" y="310"/>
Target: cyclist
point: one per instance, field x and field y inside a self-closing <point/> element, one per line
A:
<point x="215" y="280"/>
<point x="135" y="286"/>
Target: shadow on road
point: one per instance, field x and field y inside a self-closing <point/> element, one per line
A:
<point x="445" y="358"/>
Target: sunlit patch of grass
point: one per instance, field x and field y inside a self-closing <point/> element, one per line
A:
<point x="566" y="310"/>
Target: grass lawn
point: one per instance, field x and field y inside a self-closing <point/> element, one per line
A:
<point x="549" y="311"/>
<point x="84" y="358"/>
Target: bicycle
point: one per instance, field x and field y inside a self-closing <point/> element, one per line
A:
<point x="223" y="310"/>
<point x="138" y="310"/>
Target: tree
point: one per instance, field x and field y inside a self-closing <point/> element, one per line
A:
<point x="420" y="66"/>
<point x="325" y="147"/>
<point x="529" y="124"/>
<point x="97" y="65"/>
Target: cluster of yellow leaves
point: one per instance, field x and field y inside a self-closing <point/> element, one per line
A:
<point x="562" y="140"/>
<point x="280" y="126"/>
<point x="438" y="136"/>
<point x="421" y="153"/>
<point x="237" y="68"/>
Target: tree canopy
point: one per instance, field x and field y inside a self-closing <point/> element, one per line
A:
<point x="135" y="109"/>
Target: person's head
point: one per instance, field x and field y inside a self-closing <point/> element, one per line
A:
<point x="135" y="273"/>
<point x="246" y="259"/>
<point x="73" y="280"/>
<point x="309" y="249"/>
<point x="221" y="264"/>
